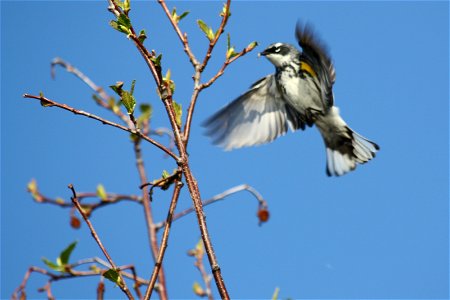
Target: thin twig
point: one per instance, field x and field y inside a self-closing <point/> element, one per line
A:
<point x="103" y="101"/>
<point x="74" y="274"/>
<point x="164" y="240"/>
<point x="151" y="230"/>
<point x="183" y="37"/>
<point x="122" y="284"/>
<point x="47" y="288"/>
<point x="205" y="276"/>
<point x="110" y="199"/>
<point x="219" y="197"/>
<point x="49" y="102"/>
<point x="199" y="87"/>
<point x="225" y="65"/>
<point x="225" y="16"/>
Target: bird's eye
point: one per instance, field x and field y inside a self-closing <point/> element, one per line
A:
<point x="277" y="50"/>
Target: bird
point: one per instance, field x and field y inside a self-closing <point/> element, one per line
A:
<point x="297" y="96"/>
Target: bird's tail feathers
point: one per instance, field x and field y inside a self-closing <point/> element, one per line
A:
<point x="345" y="148"/>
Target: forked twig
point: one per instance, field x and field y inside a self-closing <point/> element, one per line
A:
<point x="122" y="284"/>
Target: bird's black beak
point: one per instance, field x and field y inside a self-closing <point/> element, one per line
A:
<point x="264" y="53"/>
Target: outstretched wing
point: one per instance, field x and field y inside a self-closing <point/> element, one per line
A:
<point x="256" y="117"/>
<point x="315" y="55"/>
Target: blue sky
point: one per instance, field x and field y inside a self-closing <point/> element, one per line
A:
<point x="379" y="232"/>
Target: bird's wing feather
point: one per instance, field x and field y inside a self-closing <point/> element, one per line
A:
<point x="315" y="54"/>
<point x="256" y="117"/>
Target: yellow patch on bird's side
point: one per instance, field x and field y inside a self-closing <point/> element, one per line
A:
<point x="305" y="67"/>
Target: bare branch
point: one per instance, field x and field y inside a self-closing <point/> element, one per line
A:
<point x="183" y="37"/>
<point x="49" y="102"/>
<point x="164" y="240"/>
<point x="225" y="16"/>
<point x="103" y="101"/>
<point x="225" y="65"/>
<point x="262" y="204"/>
<point x="122" y="284"/>
<point x="151" y="231"/>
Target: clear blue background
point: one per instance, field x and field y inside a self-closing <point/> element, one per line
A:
<point x="379" y="232"/>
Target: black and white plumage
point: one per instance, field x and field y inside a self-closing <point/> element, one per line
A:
<point x="297" y="96"/>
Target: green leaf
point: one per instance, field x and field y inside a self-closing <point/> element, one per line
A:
<point x="198" y="290"/>
<point x="230" y="49"/>
<point x="146" y="113"/>
<point x="224" y="11"/>
<point x="177" y="18"/>
<point x="275" y="294"/>
<point x="169" y="82"/>
<point x="117" y="88"/>
<point x="128" y="101"/>
<point x="157" y="60"/>
<point x="231" y="53"/>
<point x="174" y="13"/>
<point x="101" y="192"/>
<point x="123" y="24"/>
<point x="142" y="36"/>
<point x="133" y="83"/>
<point x="113" y="276"/>
<point x="178" y="112"/>
<point x="180" y="17"/>
<point x="60" y="200"/>
<point x="126" y="6"/>
<point x="113" y="105"/>
<point x="32" y="187"/>
<point x="65" y="254"/>
<point x="252" y="45"/>
<point x="165" y="174"/>
<point x="52" y="265"/>
<point x="44" y="102"/>
<point x="206" y="29"/>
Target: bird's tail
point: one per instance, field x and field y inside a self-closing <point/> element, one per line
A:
<point x="345" y="147"/>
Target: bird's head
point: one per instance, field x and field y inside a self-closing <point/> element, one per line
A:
<point x="280" y="54"/>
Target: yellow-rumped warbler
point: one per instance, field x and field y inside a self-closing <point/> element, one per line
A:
<point x="299" y="94"/>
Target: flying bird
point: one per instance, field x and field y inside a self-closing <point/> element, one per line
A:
<point x="298" y="95"/>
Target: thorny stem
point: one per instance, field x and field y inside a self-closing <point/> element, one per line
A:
<point x="49" y="102"/>
<point x="164" y="240"/>
<point x="122" y="284"/>
<point x="151" y="230"/>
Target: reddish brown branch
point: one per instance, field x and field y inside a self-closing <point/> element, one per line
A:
<point x="166" y="97"/>
<point x="104" y="97"/>
<point x="151" y="230"/>
<point x="225" y="65"/>
<point x="164" y="240"/>
<point x="49" y="102"/>
<point x="183" y="37"/>
<point x="75" y="274"/>
<point x="225" y="16"/>
<point x="199" y="87"/>
<point x="122" y="284"/>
